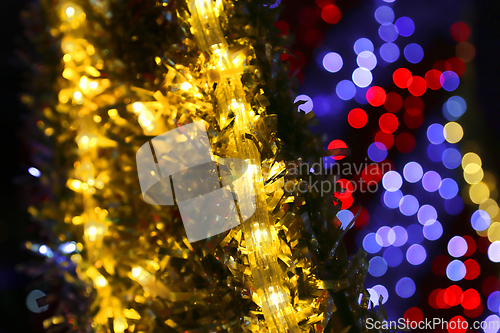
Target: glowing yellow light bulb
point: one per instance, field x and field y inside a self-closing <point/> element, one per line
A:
<point x="70" y="11"/>
<point x="94" y="230"/>
<point x="86" y="141"/>
<point x="137" y="107"/>
<point x="84" y="82"/>
<point x="78" y="97"/>
<point x="94" y="85"/>
<point x="185" y="86"/>
<point x="100" y="281"/>
<point x="479" y="193"/>
<point x="120" y="325"/>
<point x="140" y="275"/>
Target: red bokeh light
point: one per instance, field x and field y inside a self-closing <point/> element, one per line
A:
<point x="490" y="284"/>
<point x="372" y="174"/>
<point x="414" y="314"/>
<point x="471" y="299"/>
<point x="414" y="102"/>
<point x="453" y="295"/>
<point x="331" y="14"/>
<point x="347" y="187"/>
<point x="472" y="269"/>
<point x="466" y="51"/>
<point x="376" y="96"/>
<point x="308" y="17"/>
<point x="457" y="324"/>
<point x="440" y="300"/>
<point x="363" y="218"/>
<point x="393" y="102"/>
<point x="456" y="65"/>
<point x="405" y="142"/>
<point x="337" y="144"/>
<point x="357" y="118"/>
<point x="439" y="265"/>
<point x="475" y="312"/>
<point x="432" y="77"/>
<point x="283" y="26"/>
<point x="471" y="245"/>
<point x="388" y="123"/>
<point x="346" y="201"/>
<point x="324" y="3"/>
<point x="413" y="120"/>
<point x="433" y="297"/>
<point x="417" y="85"/>
<point x="387" y="139"/>
<point x="460" y="31"/>
<point x="401" y="77"/>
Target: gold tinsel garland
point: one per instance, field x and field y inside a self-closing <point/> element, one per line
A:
<point x="134" y="70"/>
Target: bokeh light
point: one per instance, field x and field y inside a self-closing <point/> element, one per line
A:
<point x="307" y="106"/>
<point x="392" y="181"/>
<point x="393" y="102"/>
<point x="370" y="243"/>
<point x="363" y="44"/>
<point x="470" y="299"/>
<point x="417" y="85"/>
<point x="384" y="14"/>
<point x="405" y="26"/>
<point x="408" y="205"/>
<point x="412" y="172"/>
<point x="454" y="206"/>
<point x="416" y="254"/>
<point x="451" y="158"/>
<point x="455" y="271"/>
<point x="381" y="291"/>
<point x="405" y="287"/>
<point x="331" y="14"/>
<point x="377" y="266"/>
<point x="362" y="77"/>
<point x="480" y="220"/>
<point x="393" y="256"/>
<point x="392" y="199"/>
<point x="415" y="234"/>
<point x="493" y="301"/>
<point x="367" y="59"/>
<point x="432" y="77"/>
<point x="401" y="76"/>
<point x="426" y="213"/>
<point x="433" y="230"/>
<point x="388" y="122"/>
<point x="457" y="247"/>
<point x="431" y="181"/>
<point x="405" y="142"/>
<point x="435" y="134"/>
<point x="454" y="108"/>
<point x="389" y="52"/>
<point x="448" y="188"/>
<point x="449" y="80"/>
<point x="357" y="118"/>
<point x="387" y="139"/>
<point x="377" y="152"/>
<point x="472" y="268"/>
<point x="491" y="324"/>
<point x="414" y="53"/>
<point x="400" y="235"/>
<point x="333" y="62"/>
<point x="460" y="31"/>
<point x="345" y="217"/>
<point x="345" y="90"/>
<point x="494" y="251"/>
<point x="376" y="96"/>
<point x="435" y="152"/>
<point x="337" y="144"/>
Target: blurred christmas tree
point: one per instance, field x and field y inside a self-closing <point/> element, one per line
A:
<point x="130" y="71"/>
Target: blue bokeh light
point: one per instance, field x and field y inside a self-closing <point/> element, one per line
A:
<point x="435" y="134"/>
<point x="494" y="251"/>
<point x="383" y="238"/>
<point x="414" y="53"/>
<point x="455" y="271"/>
<point x="493" y="301"/>
<point x="491" y="324"/>
<point x="362" y="77"/>
<point x="457" y="246"/>
<point x="392" y="199"/>
<point x="345" y="217"/>
<point x="34" y="172"/>
<point x="307" y="106"/>
<point x="448" y="188"/>
<point x="377" y="152"/>
<point x="392" y="181"/>
<point x="381" y="291"/>
<point x="333" y="62"/>
<point x="435" y="152"/>
<point x="451" y="158"/>
<point x="480" y="220"/>
<point x="363" y="44"/>
<point x="405" y="287"/>
<point x="393" y="256"/>
<point x="384" y="14"/>
<point x="367" y="59"/>
<point x="401" y="236"/>
<point x="377" y="266"/>
<point x="454" y="108"/>
<point x="370" y="243"/>
<point x="426" y="213"/>
<point x="431" y="181"/>
<point x="388" y="32"/>
<point x="449" y="80"/>
<point x="405" y="26"/>
<point x="346" y="90"/>
<point x="408" y="205"/>
<point x="433" y="230"/>
<point x="322" y="105"/>
<point x="389" y="52"/>
<point x="412" y="172"/>
<point x="416" y="254"/>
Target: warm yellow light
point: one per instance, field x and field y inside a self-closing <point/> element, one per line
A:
<point x="94" y="85"/>
<point x="68" y="74"/>
<point x="76" y="184"/>
<point x="137" y="107"/>
<point x="78" y="97"/>
<point x="158" y="60"/>
<point x="136" y="272"/>
<point x="479" y="192"/>
<point x="70" y="11"/>
<point x="494" y="232"/>
<point x="97" y="119"/>
<point x="186" y="86"/>
<point x="77" y="220"/>
<point x="473" y="178"/>
<point x="94" y="230"/>
<point x="471" y="158"/>
<point x="453" y="132"/>
<point x="113" y="113"/>
<point x="490" y="206"/>
<point x="472" y="168"/>
<point x="100" y="281"/>
<point x="67" y="57"/>
<point x="120" y="325"/>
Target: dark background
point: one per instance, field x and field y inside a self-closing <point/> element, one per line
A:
<point x="15" y="182"/>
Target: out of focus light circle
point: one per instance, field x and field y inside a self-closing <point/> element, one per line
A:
<point x="491" y="324"/>
<point x="362" y="77"/>
<point x="454" y="108"/>
<point x="405" y="26"/>
<point x="363" y="44"/>
<point x="370" y="243"/>
<point x="405" y="287"/>
<point x="480" y="220"/>
<point x="377" y="266"/>
<point x="433" y="230"/>
<point x="417" y="85"/>
<point x="457" y="247"/>
<point x="307" y="106"/>
<point x="367" y="59"/>
<point x="431" y="181"/>
<point x="331" y="14"/>
<point x="414" y="53"/>
<point x="383" y="236"/>
<point x="333" y="62"/>
<point x="494" y="251"/>
<point x="408" y="205"/>
<point x="388" y="32"/>
<point x="401" y="236"/>
<point x="393" y="256"/>
<point x="479" y="192"/>
<point x="388" y="122"/>
<point x="435" y="134"/>
<point x="346" y="90"/>
<point x="377" y="152"/>
<point x="376" y="96"/>
<point x="389" y="52"/>
<point x="412" y="172"/>
<point x="416" y="254"/>
<point x="381" y="291"/>
<point x="357" y="118"/>
<point x="426" y="213"/>
<point x="392" y="199"/>
<point x="384" y="14"/>
<point x="493" y="301"/>
<point x="392" y="181"/>
<point x="345" y="217"/>
<point x="455" y="271"/>
<point x="453" y="132"/>
<point x="451" y="158"/>
<point x="449" y="80"/>
<point x="448" y="188"/>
